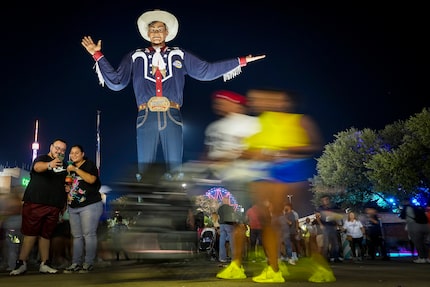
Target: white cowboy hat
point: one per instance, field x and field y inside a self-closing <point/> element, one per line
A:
<point x="158" y="15"/>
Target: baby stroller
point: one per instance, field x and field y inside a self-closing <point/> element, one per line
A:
<point x="207" y="242"/>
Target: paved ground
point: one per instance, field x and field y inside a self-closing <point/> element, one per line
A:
<point x="399" y="272"/>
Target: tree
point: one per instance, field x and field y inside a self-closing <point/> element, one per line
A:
<point x="341" y="171"/>
<point x="361" y="166"/>
<point x="404" y="171"/>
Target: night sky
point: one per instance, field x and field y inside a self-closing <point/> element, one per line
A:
<point x="355" y="65"/>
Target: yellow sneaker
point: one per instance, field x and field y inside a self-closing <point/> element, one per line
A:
<point x="283" y="268"/>
<point x="269" y="276"/>
<point x="232" y="271"/>
<point x="321" y="274"/>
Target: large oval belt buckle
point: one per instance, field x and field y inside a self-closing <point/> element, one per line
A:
<point x="158" y="104"/>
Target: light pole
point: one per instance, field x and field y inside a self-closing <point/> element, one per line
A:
<point x="35" y="145"/>
<point x="98" y="159"/>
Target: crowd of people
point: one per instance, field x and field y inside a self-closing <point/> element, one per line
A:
<point x="302" y="237"/>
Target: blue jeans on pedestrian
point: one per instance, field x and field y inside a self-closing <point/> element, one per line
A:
<point x="288" y="245"/>
<point x="83" y="226"/>
<point x="155" y="127"/>
<point x="225" y="234"/>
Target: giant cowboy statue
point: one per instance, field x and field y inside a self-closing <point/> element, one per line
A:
<point x="158" y="76"/>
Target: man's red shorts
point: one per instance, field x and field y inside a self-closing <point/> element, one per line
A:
<point x="39" y="219"/>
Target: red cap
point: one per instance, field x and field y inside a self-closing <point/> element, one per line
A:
<point x="230" y="96"/>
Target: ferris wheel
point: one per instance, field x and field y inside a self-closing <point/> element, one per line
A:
<point x="218" y="192"/>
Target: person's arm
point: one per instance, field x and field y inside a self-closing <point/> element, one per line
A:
<point x="287" y="219"/>
<point x="85" y="175"/>
<point x="41" y="166"/>
<point x="363" y="231"/>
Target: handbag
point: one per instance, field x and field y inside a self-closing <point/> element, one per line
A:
<point x="349" y="237"/>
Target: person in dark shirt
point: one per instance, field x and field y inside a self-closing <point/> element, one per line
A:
<point x="44" y="199"/>
<point x="329" y="217"/>
<point x="375" y="237"/>
<point x="226" y="228"/>
<point x="85" y="208"/>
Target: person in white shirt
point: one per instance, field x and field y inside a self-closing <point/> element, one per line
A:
<point x="354" y="233"/>
<point x="224" y="138"/>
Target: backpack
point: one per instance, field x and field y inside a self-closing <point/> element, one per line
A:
<point x="420" y="215"/>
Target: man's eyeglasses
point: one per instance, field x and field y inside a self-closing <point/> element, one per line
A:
<point x="57" y="148"/>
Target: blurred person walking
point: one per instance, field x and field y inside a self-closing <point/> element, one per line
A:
<point x="329" y="217"/>
<point x="310" y="236"/>
<point x="428" y="220"/>
<point x="117" y="234"/>
<point x="288" y="222"/>
<point x="224" y="137"/>
<point x="10" y="227"/>
<point x="296" y="234"/>
<point x="282" y="151"/>
<point x="223" y="144"/>
<point x="418" y="229"/>
<point x="255" y="234"/>
<point x="374" y="234"/>
<point x="85" y="209"/>
<point x="158" y="76"/>
<point x="319" y="234"/>
<point x="43" y="201"/>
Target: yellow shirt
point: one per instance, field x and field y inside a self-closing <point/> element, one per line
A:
<point x="279" y="131"/>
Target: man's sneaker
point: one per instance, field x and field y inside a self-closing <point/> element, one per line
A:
<point x="420" y="260"/>
<point x="269" y="276"/>
<point x="232" y="271"/>
<point x="46" y="269"/>
<point x="86" y="268"/>
<point x="73" y="268"/>
<point x="20" y="268"/>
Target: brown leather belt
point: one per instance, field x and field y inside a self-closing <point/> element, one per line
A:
<point x="173" y="105"/>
